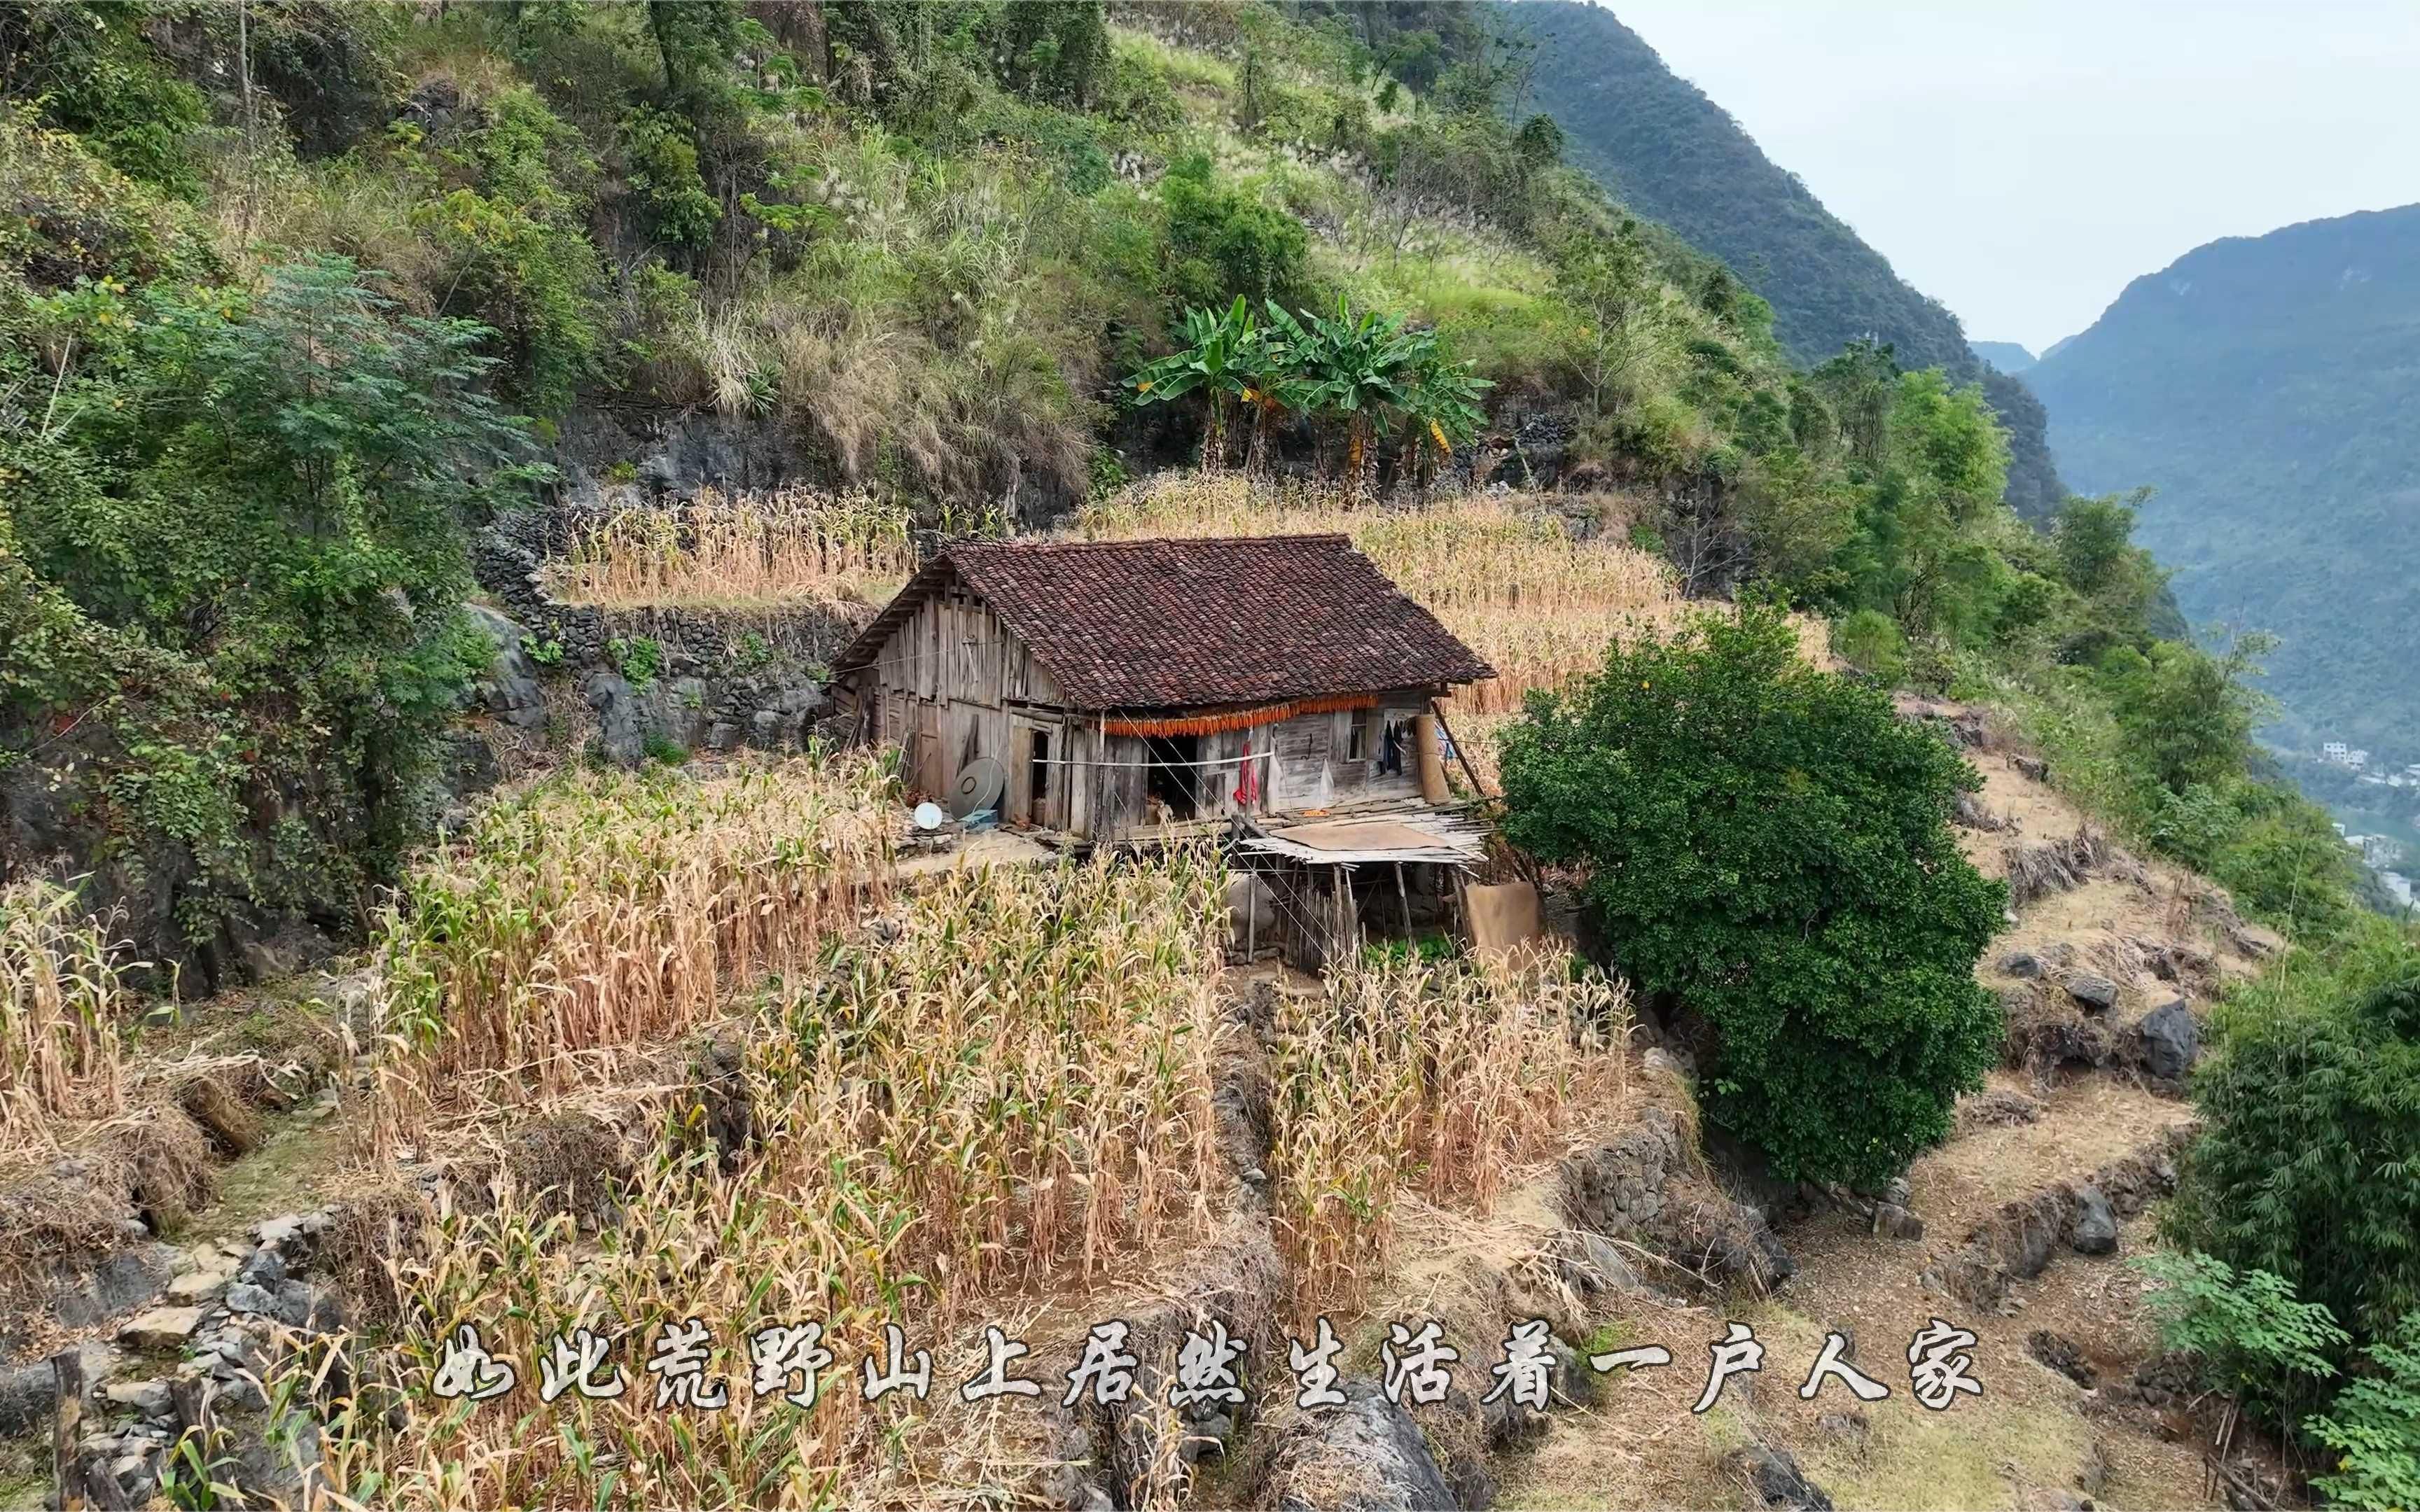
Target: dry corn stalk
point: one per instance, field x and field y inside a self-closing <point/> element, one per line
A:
<point x="759" y="551"/>
<point x="61" y="1038"/>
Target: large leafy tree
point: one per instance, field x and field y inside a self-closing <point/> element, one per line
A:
<point x="1767" y="847"/>
<point x="251" y="507"/>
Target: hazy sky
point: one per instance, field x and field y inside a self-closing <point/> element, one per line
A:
<point x="2021" y="160"/>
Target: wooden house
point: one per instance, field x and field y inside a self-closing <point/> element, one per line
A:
<point x="1122" y="684"/>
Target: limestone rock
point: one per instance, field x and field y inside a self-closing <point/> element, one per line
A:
<point x="125" y="1281"/>
<point x="195" y="1287"/>
<point x="1363" y="1456"/>
<point x="162" y="1328"/>
<point x="149" y="1397"/>
<point x="2094" y="1230"/>
<point x="1778" y="1481"/>
<point x="621" y="731"/>
<point x="2092" y="991"/>
<point x="511" y="686"/>
<point x="2170" y="1041"/>
<point x="246" y="1299"/>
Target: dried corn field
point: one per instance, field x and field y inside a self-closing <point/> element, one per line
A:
<point x="769" y="550"/>
<point x="597" y="912"/>
<point x="999" y="1086"/>
<point x="1436" y="1079"/>
<point x="63" y="1013"/>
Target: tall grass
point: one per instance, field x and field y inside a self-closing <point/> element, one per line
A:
<point x="1408" y="1076"/>
<point x="61" y="1005"/>
<point x="598" y="911"/>
<point x="770" y="549"/>
<point x="1001" y="1087"/>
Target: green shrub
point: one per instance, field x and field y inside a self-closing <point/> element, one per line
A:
<point x="1767" y="845"/>
<point x="2254" y="1340"/>
<point x="638" y="658"/>
<point x="1870" y="641"/>
<point x="1224" y="242"/>
<point x="2373" y="1427"/>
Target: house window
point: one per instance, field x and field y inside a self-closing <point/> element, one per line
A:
<point x="1038" y="767"/>
<point x="1170" y="780"/>
<point x="1357" y="737"/>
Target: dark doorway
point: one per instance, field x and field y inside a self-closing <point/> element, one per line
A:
<point x="1173" y="776"/>
<point x="1037" y="774"/>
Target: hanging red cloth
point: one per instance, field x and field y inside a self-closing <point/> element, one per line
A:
<point x="1247" y="785"/>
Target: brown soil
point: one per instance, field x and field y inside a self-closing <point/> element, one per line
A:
<point x="2035" y="1438"/>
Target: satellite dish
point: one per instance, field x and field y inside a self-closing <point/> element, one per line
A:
<point x="929" y="816"/>
<point x="980" y="783"/>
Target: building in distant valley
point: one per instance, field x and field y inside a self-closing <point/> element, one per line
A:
<point x="2335" y="750"/>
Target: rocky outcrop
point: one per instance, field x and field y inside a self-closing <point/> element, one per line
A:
<point x="510" y="690"/>
<point x="2038" y="872"/>
<point x="200" y="1366"/>
<point x="2019" y="1240"/>
<point x="1364" y="1455"/>
<point x="1634" y="1187"/>
<point x="2168" y="1042"/>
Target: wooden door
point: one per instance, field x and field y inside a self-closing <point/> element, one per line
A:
<point x="1038" y="773"/>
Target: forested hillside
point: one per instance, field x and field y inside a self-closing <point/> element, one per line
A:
<point x="1667" y="151"/>
<point x="2268" y="389"/>
<point x="2007" y="356"/>
<point x="310" y="310"/>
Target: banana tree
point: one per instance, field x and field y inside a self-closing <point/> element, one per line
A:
<point x="1358" y="368"/>
<point x="1443" y="406"/>
<point x="1273" y="388"/>
<point x="1217" y="361"/>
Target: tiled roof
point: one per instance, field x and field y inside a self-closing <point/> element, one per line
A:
<point x="1178" y="624"/>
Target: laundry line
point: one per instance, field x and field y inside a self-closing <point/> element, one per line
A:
<point x="1215" y="761"/>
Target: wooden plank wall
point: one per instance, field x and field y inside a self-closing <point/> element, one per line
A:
<point x="1311" y="768"/>
<point x="950" y="681"/>
<point x="953" y="683"/>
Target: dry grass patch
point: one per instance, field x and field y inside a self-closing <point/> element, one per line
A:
<point x="1405" y="1077"/>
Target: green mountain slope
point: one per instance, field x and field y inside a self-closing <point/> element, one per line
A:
<point x="2269" y="388"/>
<point x="1669" y="152"/>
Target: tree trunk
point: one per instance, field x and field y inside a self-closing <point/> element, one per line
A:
<point x="1214" y="439"/>
<point x="67" y="1431"/>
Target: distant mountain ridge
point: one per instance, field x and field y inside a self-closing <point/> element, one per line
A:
<point x="2007" y="356"/>
<point x="2269" y="388"/>
<point x="1670" y="153"/>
